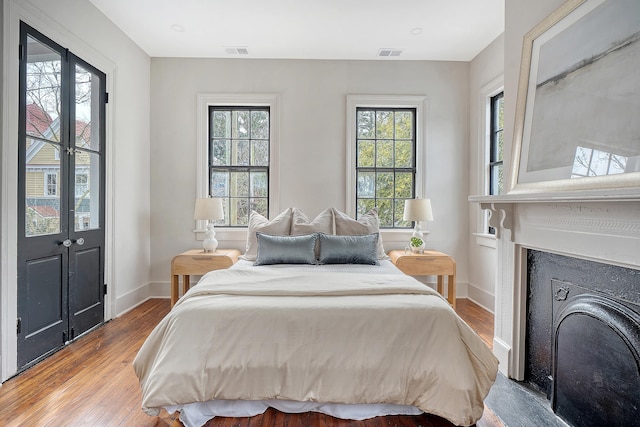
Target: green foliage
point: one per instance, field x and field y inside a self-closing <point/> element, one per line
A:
<point x="416" y="242"/>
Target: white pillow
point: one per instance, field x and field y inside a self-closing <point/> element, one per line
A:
<point x="300" y="224"/>
<point x="367" y="224"/>
<point x="279" y="226"/>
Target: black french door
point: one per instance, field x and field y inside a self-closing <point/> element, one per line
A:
<point x="61" y="195"/>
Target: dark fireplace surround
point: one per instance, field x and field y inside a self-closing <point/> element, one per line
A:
<point x="582" y="345"/>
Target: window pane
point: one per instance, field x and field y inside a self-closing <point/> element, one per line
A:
<point x="384" y="124"/>
<point x="404" y="185"/>
<point x="259" y="125"/>
<point x="385" y="212"/>
<point x="366" y="124"/>
<point x="220" y="152"/>
<point x="259" y="184"/>
<point x="500" y="138"/>
<point x="87" y="201"/>
<point x="87" y="113"/>
<point x="364" y="206"/>
<point x="384" y="184"/>
<point x="404" y="125"/>
<point x="44" y="85"/>
<point x="398" y="212"/>
<point x="239" y="212"/>
<point x="366" y="185"/>
<point x="221" y="124"/>
<point x="241" y="124"/>
<point x="404" y="155"/>
<point x="496" y="180"/>
<point x="366" y="153"/>
<point x="240" y="153"/>
<point x="384" y="154"/>
<point x="42" y="214"/>
<point x="219" y="185"/>
<point x="260" y="154"/>
<point x="260" y="206"/>
<point x="239" y="185"/>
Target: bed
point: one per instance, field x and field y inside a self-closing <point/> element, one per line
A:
<point x="350" y="340"/>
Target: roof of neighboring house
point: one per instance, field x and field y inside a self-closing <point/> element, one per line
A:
<point x="38" y="120"/>
<point x="46" y="211"/>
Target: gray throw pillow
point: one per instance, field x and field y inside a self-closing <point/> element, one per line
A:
<point x="349" y="249"/>
<point x="286" y="249"/>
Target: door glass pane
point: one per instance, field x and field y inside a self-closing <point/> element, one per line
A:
<point x="44" y="86"/>
<point x="87" y="132"/>
<point x="42" y="185"/>
<point x="87" y="190"/>
<point x="42" y="161"/>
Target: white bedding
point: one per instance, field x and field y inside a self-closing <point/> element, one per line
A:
<point x="385" y="267"/>
<point x="264" y="334"/>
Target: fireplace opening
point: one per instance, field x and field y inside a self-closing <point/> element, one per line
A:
<point x="583" y="338"/>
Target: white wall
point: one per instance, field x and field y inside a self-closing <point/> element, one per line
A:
<point x="79" y="26"/>
<point x="485" y="77"/>
<point x="312" y="146"/>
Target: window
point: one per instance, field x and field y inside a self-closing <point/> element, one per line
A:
<point x="385" y="162"/>
<point x="82" y="184"/>
<point x="50" y="184"/>
<point x="237" y="156"/>
<point x="239" y="161"/>
<point x="385" y="137"/>
<point x="496" y="173"/>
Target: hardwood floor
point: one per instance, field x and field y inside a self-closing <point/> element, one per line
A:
<point x="91" y="382"/>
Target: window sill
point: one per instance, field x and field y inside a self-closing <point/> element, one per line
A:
<point x="485" y="239"/>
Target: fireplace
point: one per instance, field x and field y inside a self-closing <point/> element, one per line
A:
<point x="581" y="227"/>
<point x="583" y="338"/>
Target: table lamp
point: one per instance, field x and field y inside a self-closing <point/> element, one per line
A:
<point x="209" y="209"/>
<point x="417" y="210"/>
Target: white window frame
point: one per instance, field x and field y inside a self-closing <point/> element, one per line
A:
<point x="206" y="100"/>
<point x="46" y="184"/>
<point x="488" y="91"/>
<point x="418" y="102"/>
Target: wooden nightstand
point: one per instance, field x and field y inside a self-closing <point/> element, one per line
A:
<point x="427" y="264"/>
<point x="197" y="261"/>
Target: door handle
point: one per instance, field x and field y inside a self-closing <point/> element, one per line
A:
<point x="80" y="241"/>
<point x="66" y="243"/>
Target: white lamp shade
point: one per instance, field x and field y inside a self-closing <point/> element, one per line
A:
<point x="417" y="210"/>
<point x="209" y="208"/>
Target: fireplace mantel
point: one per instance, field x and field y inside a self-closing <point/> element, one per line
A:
<point x="598" y="226"/>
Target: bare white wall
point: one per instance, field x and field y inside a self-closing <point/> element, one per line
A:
<point x="486" y="73"/>
<point x="82" y="28"/>
<point x="312" y="143"/>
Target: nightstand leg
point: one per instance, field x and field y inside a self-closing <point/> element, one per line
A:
<point x="451" y="291"/>
<point x="440" y="284"/>
<point x="174" y="289"/>
<point x="185" y="283"/>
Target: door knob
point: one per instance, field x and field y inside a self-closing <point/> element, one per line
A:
<point x="80" y="241"/>
<point x="66" y="243"/>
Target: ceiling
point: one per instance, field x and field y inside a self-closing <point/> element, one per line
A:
<point x="446" y="30"/>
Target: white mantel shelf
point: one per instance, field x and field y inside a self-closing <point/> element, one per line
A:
<point x="622" y="195"/>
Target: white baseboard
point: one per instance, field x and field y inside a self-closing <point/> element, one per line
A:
<point x="502" y="351"/>
<point x="134" y="298"/>
<point x="481" y="297"/>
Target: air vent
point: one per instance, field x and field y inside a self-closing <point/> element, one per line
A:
<point x="389" y="52"/>
<point x="237" y="50"/>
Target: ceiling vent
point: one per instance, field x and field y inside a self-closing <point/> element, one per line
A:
<point x="389" y="52"/>
<point x="236" y="50"/>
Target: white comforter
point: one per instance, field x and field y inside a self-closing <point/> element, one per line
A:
<point x="324" y="337"/>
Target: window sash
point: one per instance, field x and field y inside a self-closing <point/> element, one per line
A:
<point x="243" y="184"/>
<point x="389" y="203"/>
